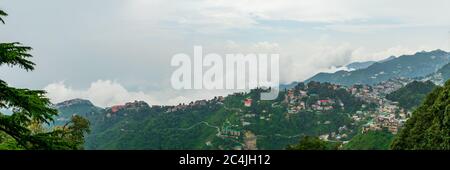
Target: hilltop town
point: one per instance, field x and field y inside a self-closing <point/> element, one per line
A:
<point x="335" y="113"/>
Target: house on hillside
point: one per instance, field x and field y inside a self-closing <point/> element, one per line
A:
<point x="116" y="108"/>
<point x="248" y="102"/>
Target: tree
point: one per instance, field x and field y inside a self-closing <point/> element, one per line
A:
<point x="74" y="130"/>
<point x="29" y="107"/>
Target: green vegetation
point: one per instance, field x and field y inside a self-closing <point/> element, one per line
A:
<point x="8" y="143"/>
<point x="371" y="140"/>
<point x="412" y="94"/>
<point x="23" y="129"/>
<point x="429" y="126"/>
<point x="313" y="143"/>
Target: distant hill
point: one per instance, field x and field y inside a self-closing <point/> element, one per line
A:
<point x="440" y="76"/>
<point x="75" y="106"/>
<point x="409" y="66"/>
<point x="387" y="59"/>
<point x="364" y="64"/>
<point x="359" y="65"/>
<point x="412" y="94"/>
<point x="288" y="86"/>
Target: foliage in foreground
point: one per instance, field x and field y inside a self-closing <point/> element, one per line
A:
<point x="429" y="126"/>
<point x="31" y="110"/>
<point x="371" y="140"/>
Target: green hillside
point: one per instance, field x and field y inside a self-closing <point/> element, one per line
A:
<point x="429" y="126"/>
<point x="412" y="94"/>
<point x="371" y="140"/>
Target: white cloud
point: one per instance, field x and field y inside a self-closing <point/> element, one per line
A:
<point x="363" y="54"/>
<point x="244" y="13"/>
<point x="132" y="41"/>
<point x="102" y="93"/>
<point x="105" y="93"/>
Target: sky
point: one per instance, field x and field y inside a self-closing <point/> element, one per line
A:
<point x="114" y="51"/>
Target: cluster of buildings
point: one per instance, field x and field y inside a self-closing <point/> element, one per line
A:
<point x="325" y="104"/>
<point x="132" y="106"/>
<point x="296" y="102"/>
<point x="381" y="122"/>
<point x="341" y="134"/>
<point x="388" y="116"/>
<point x="182" y="106"/>
<point x="375" y="94"/>
<point x="229" y="130"/>
<point x="365" y="93"/>
<point x="390" y="85"/>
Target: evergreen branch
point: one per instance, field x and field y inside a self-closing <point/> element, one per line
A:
<point x="2" y="13"/>
<point x="14" y="54"/>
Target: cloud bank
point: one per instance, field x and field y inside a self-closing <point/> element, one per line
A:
<point x="102" y="93"/>
<point x="106" y="93"/>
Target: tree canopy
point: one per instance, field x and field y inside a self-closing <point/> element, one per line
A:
<point x="429" y="126"/>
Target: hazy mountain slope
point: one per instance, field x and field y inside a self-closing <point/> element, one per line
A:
<point x="409" y="66"/>
<point x="440" y="76"/>
<point x="359" y="65"/>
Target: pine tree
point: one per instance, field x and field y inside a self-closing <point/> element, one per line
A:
<point x="30" y="107"/>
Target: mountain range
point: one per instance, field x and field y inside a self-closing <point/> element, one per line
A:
<point x="420" y="64"/>
<point x="365" y="64"/>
